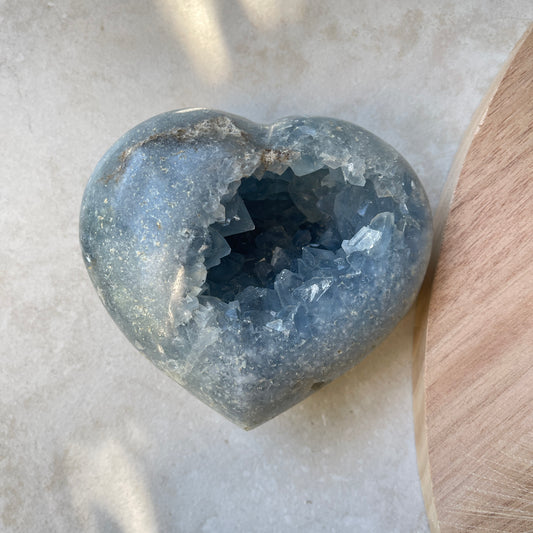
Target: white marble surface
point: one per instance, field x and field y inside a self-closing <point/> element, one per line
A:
<point x="92" y="437"/>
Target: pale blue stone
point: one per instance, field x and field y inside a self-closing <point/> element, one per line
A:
<point x="253" y="263"/>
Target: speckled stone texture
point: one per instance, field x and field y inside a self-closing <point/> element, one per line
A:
<point x="92" y="438"/>
<point x="246" y="260"/>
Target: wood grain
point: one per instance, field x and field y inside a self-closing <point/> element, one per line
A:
<point x="473" y="373"/>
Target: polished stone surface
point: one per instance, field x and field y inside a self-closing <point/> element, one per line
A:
<point x="247" y="261"/>
<point x="93" y="437"/>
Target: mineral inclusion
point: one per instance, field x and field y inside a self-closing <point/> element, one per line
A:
<point x="254" y="263"/>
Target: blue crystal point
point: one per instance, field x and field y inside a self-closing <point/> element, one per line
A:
<point x="254" y="263"/>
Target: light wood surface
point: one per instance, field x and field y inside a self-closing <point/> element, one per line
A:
<point x="473" y="372"/>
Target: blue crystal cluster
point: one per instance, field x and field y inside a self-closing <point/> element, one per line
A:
<point x="251" y="263"/>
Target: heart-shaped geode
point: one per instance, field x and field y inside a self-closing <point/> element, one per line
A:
<point x="254" y="263"/>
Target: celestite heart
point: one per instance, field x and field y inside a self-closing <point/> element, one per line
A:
<point x="254" y="263"/>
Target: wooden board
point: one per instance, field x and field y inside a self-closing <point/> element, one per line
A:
<point x="473" y="373"/>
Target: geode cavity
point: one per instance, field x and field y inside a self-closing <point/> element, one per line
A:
<point x="254" y="263"/>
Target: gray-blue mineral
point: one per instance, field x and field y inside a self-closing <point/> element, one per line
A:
<point x="254" y="263"/>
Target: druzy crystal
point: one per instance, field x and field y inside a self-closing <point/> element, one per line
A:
<point x="254" y="263"/>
